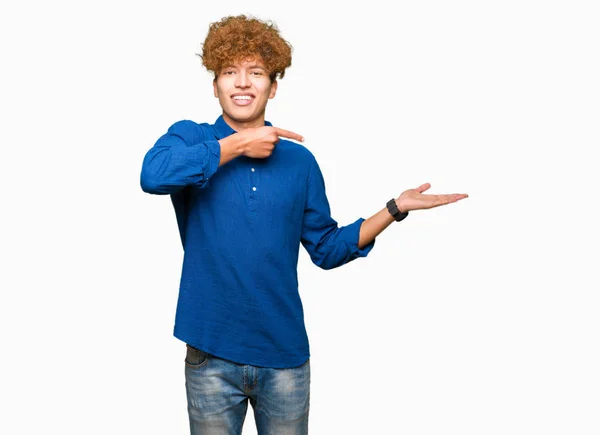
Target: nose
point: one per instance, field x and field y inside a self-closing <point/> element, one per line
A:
<point x="242" y="80"/>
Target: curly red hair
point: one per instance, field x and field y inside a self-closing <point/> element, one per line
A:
<point x="237" y="38"/>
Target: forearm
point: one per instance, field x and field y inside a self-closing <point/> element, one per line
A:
<point x="231" y="147"/>
<point x="373" y="226"/>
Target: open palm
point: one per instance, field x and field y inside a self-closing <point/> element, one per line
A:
<point x="414" y="199"/>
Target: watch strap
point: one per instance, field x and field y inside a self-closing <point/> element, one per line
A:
<point x="393" y="209"/>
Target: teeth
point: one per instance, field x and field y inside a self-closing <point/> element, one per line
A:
<point x="242" y="97"/>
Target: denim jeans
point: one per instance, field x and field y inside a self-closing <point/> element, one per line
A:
<point x="218" y="392"/>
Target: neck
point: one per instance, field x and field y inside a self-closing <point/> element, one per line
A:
<point x="243" y="125"/>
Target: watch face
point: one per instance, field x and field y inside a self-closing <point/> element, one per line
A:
<point x="393" y="209"/>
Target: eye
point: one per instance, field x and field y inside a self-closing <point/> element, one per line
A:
<point x="257" y="73"/>
<point x="228" y="72"/>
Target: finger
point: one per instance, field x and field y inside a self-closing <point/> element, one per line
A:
<point x="423" y="187"/>
<point x="288" y="134"/>
<point x="457" y="196"/>
<point x="447" y="199"/>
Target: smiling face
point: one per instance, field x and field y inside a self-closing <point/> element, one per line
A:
<point x="243" y="90"/>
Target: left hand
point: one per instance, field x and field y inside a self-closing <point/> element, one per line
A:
<point x="413" y="199"/>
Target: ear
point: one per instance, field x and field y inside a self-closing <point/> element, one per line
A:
<point x="273" y="89"/>
<point x="215" y="88"/>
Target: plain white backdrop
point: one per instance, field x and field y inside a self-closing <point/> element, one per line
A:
<point x="480" y="317"/>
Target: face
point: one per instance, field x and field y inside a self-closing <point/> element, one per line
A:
<point x="243" y="90"/>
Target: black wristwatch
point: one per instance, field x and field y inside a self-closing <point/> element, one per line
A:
<point x="393" y="209"/>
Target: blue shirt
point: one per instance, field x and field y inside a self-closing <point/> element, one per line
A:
<point x="241" y="225"/>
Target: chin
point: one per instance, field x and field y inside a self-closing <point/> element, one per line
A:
<point x="242" y="115"/>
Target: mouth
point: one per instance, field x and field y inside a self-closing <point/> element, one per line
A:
<point x="242" y="99"/>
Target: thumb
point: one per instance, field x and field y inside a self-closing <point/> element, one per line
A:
<point x="423" y="187"/>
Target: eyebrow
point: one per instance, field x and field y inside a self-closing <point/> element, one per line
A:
<point x="252" y="66"/>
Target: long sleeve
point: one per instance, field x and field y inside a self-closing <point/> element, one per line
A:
<point x="328" y="245"/>
<point x="182" y="157"/>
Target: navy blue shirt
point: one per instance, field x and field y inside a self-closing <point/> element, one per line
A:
<point x="241" y="225"/>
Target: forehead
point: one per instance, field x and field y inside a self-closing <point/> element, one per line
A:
<point x="249" y="61"/>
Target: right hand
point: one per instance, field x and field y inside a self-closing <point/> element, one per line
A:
<point x="261" y="141"/>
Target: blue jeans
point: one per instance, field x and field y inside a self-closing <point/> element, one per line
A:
<point x="218" y="392"/>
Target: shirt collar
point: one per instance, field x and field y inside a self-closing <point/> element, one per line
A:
<point x="223" y="129"/>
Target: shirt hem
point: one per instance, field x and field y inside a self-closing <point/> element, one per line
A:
<point x="239" y="359"/>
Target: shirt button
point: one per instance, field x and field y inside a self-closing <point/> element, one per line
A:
<point x="254" y="188"/>
<point x="252" y="169"/>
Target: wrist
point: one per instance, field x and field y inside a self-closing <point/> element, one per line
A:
<point x="234" y="145"/>
<point x="394" y="210"/>
<point x="401" y="206"/>
<point x="243" y="144"/>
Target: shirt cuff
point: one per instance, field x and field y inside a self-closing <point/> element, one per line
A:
<point x="352" y="238"/>
<point x="211" y="157"/>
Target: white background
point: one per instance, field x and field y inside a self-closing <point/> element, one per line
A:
<point x="480" y="317"/>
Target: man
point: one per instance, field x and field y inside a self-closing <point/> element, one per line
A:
<point x="245" y="201"/>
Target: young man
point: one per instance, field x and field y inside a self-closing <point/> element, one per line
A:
<point x="245" y="201"/>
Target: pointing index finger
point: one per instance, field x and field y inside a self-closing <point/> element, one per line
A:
<point x="289" y="134"/>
